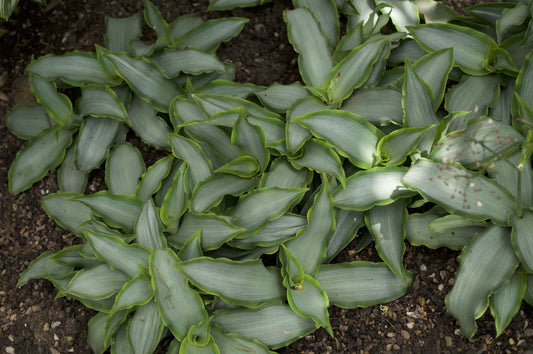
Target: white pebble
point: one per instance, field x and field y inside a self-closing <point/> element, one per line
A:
<point x="423" y="268"/>
<point x="56" y="324"/>
<point x="10" y="350"/>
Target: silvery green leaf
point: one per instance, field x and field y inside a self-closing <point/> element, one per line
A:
<point x="69" y="177"/>
<point x="200" y="167"/>
<point x="153" y="130"/>
<point x="327" y="16"/>
<point x="101" y="101"/>
<point x="152" y="178"/>
<point x="136" y="292"/>
<point x="188" y="61"/>
<point x="377" y="105"/>
<point x="506" y="301"/>
<point x="174" y="201"/>
<point x="283" y="175"/>
<point x="67" y="213"/>
<point x="208" y="35"/>
<point x="123" y="169"/>
<point x="96" y="283"/>
<point x="121" y="31"/>
<point x="402" y="13"/>
<point x="95" y="137"/>
<point x="347" y="223"/>
<point x="58" y="105"/>
<point x="96" y="332"/>
<point x="155" y="20"/>
<point x="278" y="98"/>
<point x="148" y="227"/>
<point x="27" y="121"/>
<point x="145" y="328"/>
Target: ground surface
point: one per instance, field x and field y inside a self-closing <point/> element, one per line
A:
<point x="31" y="321"/>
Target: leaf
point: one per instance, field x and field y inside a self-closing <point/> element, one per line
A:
<point x="208" y="35"/>
<point x="123" y="169"/>
<point x="386" y="224"/>
<point x="152" y="178"/>
<point x="327" y="16"/>
<point x="101" y="101"/>
<point x="188" y="61"/>
<point x="191" y="248"/>
<point x="376" y="186"/>
<point x="42" y="267"/>
<point x="94" y="140"/>
<point x="450" y="222"/>
<point x="485" y="265"/>
<point x="75" y="68"/>
<point x="215" y="230"/>
<point x="505" y="302"/>
<point x="43" y="153"/>
<point x="418" y="232"/>
<point x="274" y="325"/>
<point x="200" y="168"/>
<point x="350" y="134"/>
<point x="145" y="80"/>
<point x="95" y="332"/>
<point x="221" y="5"/>
<point x="309" y="246"/>
<point x="483" y="141"/>
<point x="315" y="60"/>
<point x="283" y="175"/>
<point x="318" y="156"/>
<point x="72" y="256"/>
<point x="248" y="284"/>
<point x="470" y="47"/>
<point x="145" y="328"/>
<point x="256" y="208"/>
<point x="131" y="259"/>
<point x="511" y="17"/>
<point x="199" y="340"/>
<point x="155" y="20"/>
<point x="348" y="75"/>
<point x="209" y="193"/>
<point x="506" y="172"/>
<point x="67" y="213"/>
<point x="69" y="178"/>
<point x="378" y="106"/>
<point x="218" y="85"/>
<point x="96" y="283"/>
<point x="402" y="13"/>
<point x="243" y="166"/>
<point x="136" y="292"/>
<point x="394" y="148"/>
<point x="119" y="32"/>
<point x="349" y="41"/>
<point x="360" y="284"/>
<point x="234" y="343"/>
<point x="117" y="210"/>
<point x="250" y="140"/>
<point x="524" y="83"/>
<point x="58" y="105"/>
<point x="180" y="306"/>
<point x="148" y="227"/>
<point x="153" y="130"/>
<point x="213" y="104"/>
<point x="278" y="98"/>
<point x="521" y="238"/>
<point x="460" y="191"/>
<point x="347" y="223"/>
<point x="174" y="202"/>
<point x="27" y="121"/>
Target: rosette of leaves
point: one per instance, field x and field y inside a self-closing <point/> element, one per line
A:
<point x="224" y="243"/>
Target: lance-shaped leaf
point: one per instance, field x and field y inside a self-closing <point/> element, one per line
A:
<point x="174" y="202"/>
<point x="418" y="232"/>
<point x="521" y="238"/>
<point x="524" y="83"/>
<point x="484" y="266"/>
<point x="315" y="60"/>
<point x="505" y="302"/>
<point x="247" y="283"/>
<point x="451" y="222"/>
<point x="113" y="324"/>
<point x="43" y="153"/>
<point x="210" y="192"/>
<point x="222" y="86"/>
<point x="58" y="106"/>
<point x="255" y="209"/>
<point x="408" y="48"/>
<point x="199" y="340"/>
<point x="148" y="227"/>
<point x="67" y="213"/>
<point x="131" y="259"/>
<point x="350" y="40"/>
<point x="96" y="283"/>
<point x="353" y="71"/>
<point x="474" y="94"/>
<point x="192" y="248"/>
<point x="43" y="267"/>
<point x="27" y="121"/>
<point x="188" y="61"/>
<point x="511" y="17"/>
<point x="470" y="47"/>
<point x="200" y="168"/>
<point x="69" y="177"/>
<point x="377" y="186"/>
<point x="347" y="223"/>
<point x="155" y="20"/>
<point x="72" y="256"/>
<point x="75" y="68"/>
<point x="309" y="246"/>
<point x="327" y="16"/>
<point x="136" y="292"/>
<point x="152" y="129"/>
<point x="242" y="166"/>
<point x="117" y="210"/>
<point x="350" y="134"/>
<point x="180" y="306"/>
<point x="152" y="178"/>
<point x="460" y="191"/>
<point x="213" y="104"/>
<point x="483" y="141"/>
<point x="94" y="139"/>
<point x="145" y="328"/>
<point x="402" y="13"/>
<point x="278" y="98"/>
<point x="283" y="175"/>
<point x="394" y="148"/>
<point x="360" y="284"/>
<point x="215" y="230"/>
<point x="123" y="169"/>
<point x="183" y="24"/>
<point x="250" y="140"/>
<point x="385" y="223"/>
<point x="378" y="106"/>
<point x="210" y="34"/>
<point x="296" y="135"/>
<point x="274" y="233"/>
<point x="318" y="156"/>
<point x="145" y="80"/>
<point x="96" y="332"/>
<point x="101" y="101"/>
<point x="274" y="325"/>
<point x="234" y="343"/>
<point x="121" y="31"/>
<point x="121" y="344"/>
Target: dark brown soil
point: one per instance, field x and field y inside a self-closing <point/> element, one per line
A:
<point x="31" y="320"/>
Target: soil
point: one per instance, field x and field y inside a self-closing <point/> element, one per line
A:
<point x="31" y="320"/>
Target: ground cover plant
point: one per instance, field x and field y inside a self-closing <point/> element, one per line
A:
<point x="262" y="164"/>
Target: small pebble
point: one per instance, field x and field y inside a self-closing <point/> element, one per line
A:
<point x="396" y="347"/>
<point x="423" y="268"/>
<point x="391" y="334"/>
<point x="46" y="327"/>
<point x="405" y="334"/>
<point x="410" y="325"/>
<point x="56" y="338"/>
<point x="449" y="341"/>
<point x="56" y="324"/>
<point x="440" y="287"/>
<point x="511" y="341"/>
<point x="388" y="347"/>
<point x="10" y="350"/>
<point x="11" y="338"/>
